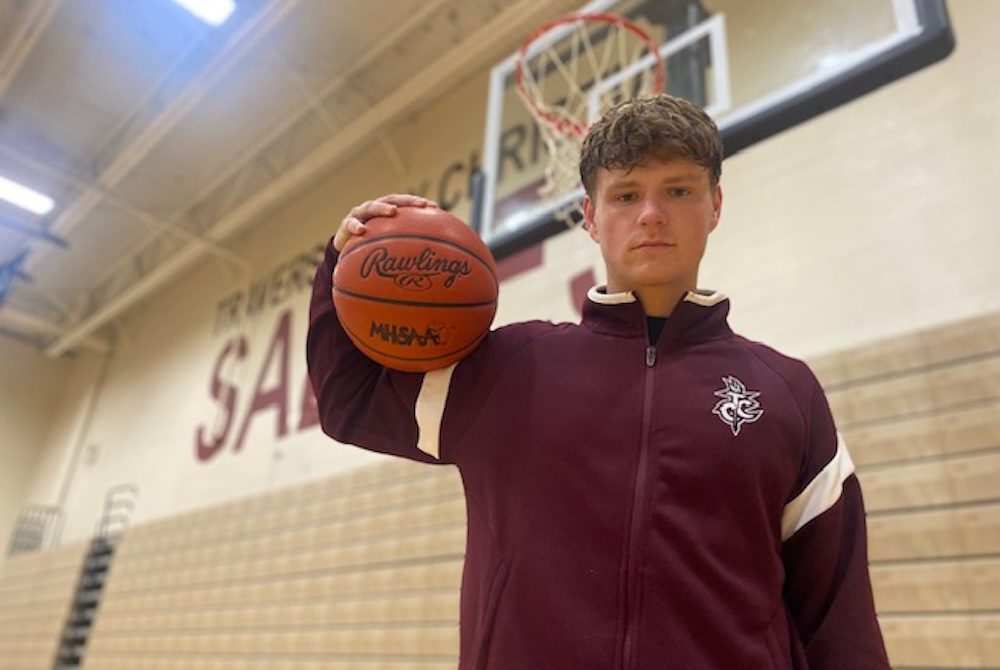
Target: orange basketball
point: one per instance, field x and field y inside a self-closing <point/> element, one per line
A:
<point x="417" y="291"/>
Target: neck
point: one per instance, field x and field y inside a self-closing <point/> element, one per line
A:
<point x="660" y="302"/>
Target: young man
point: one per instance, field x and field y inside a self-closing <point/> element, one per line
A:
<point x="645" y="490"/>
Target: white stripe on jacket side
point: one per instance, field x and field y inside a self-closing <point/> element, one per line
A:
<point x="429" y="410"/>
<point x="821" y="494"/>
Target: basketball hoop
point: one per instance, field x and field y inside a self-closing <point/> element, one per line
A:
<point x="569" y="72"/>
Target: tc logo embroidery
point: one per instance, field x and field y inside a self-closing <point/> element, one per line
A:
<point x="738" y="405"/>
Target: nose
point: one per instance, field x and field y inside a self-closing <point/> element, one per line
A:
<point x="652" y="211"/>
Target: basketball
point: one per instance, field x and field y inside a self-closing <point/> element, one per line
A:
<point x="417" y="291"/>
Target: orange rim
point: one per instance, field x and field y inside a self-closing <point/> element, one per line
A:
<point x="564" y="123"/>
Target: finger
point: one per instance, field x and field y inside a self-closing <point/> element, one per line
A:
<point x="408" y="200"/>
<point x="387" y="205"/>
<point x="349" y="228"/>
<point x="371" y="209"/>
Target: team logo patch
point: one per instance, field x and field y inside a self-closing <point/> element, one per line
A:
<point x="738" y="405"/>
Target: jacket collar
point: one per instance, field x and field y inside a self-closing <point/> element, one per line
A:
<point x="699" y="315"/>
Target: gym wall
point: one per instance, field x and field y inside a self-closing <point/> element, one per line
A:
<point x="29" y="388"/>
<point x="869" y="222"/>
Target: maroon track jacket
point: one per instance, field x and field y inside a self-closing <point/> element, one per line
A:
<point x="683" y="505"/>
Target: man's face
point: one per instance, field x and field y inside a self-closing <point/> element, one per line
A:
<point x="652" y="223"/>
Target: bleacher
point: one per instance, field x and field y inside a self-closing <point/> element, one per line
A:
<point x="36" y="597"/>
<point x="361" y="571"/>
<point x="357" y="572"/>
<point x="921" y="416"/>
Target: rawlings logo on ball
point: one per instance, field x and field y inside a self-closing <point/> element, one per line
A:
<point x="413" y="273"/>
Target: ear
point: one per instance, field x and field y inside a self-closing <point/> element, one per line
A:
<point x="716" y="207"/>
<point x="588" y="218"/>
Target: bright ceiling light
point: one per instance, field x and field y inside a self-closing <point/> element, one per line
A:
<point x="25" y="198"/>
<point x="213" y="12"/>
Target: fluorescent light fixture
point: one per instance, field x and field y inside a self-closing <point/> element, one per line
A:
<point x="25" y="198"/>
<point x="213" y="12"/>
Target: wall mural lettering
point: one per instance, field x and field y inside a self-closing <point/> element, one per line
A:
<point x="271" y="395"/>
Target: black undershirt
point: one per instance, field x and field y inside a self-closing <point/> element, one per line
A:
<point x="655" y="325"/>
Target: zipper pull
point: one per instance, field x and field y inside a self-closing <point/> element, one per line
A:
<point x="650" y="356"/>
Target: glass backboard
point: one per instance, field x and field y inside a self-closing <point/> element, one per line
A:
<point x="756" y="67"/>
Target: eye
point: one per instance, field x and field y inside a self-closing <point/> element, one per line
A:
<point x="625" y="197"/>
<point x="680" y="192"/>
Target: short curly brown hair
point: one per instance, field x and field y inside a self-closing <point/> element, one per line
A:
<point x="662" y="127"/>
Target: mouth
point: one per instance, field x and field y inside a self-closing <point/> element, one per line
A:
<point x="654" y="244"/>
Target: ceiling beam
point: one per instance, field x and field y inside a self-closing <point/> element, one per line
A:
<point x="130" y="156"/>
<point x="147" y="218"/>
<point x="32" y="326"/>
<point x="476" y="49"/>
<point x="247" y="163"/>
<point x="37" y="16"/>
<point x="32" y="232"/>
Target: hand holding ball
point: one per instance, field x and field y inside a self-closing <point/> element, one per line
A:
<point x="416" y="292"/>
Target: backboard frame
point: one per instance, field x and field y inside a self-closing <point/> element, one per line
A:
<point x="923" y="37"/>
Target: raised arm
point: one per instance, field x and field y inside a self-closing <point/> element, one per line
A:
<point x="359" y="401"/>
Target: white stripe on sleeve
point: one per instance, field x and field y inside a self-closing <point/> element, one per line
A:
<point x="429" y="410"/>
<point x="821" y="494"/>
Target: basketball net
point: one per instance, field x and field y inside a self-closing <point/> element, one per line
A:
<point x="569" y="72"/>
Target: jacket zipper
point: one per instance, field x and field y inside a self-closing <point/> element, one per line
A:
<point x="635" y="523"/>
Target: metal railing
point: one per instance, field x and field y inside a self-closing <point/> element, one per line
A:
<point x="119" y="503"/>
<point x="38" y="527"/>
